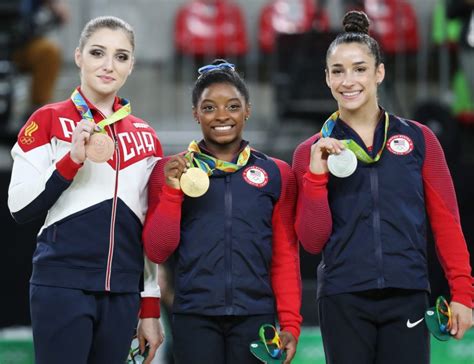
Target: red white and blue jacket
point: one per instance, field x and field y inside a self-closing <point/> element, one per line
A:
<point x="236" y="248"/>
<point x="371" y="226"/>
<point x="91" y="238"/>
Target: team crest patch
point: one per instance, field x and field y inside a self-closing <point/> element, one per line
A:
<point x="400" y="144"/>
<point x="255" y="176"/>
<point x="27" y="138"/>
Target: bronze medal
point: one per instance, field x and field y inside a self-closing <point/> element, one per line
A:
<point x="194" y="182"/>
<point x="99" y="148"/>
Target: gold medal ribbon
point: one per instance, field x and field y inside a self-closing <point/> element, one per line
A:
<point x="208" y="163"/>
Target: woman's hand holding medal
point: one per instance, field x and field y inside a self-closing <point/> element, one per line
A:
<point x="174" y="168"/>
<point x="320" y="152"/>
<point x="80" y="137"/>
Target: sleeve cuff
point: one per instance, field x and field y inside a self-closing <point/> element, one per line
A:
<point x="172" y="193"/>
<point x="149" y="307"/>
<point x="318" y="179"/>
<point x="67" y="168"/>
<point x="295" y="331"/>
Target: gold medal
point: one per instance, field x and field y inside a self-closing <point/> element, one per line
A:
<point x="194" y="182"/>
<point x="99" y="148"/>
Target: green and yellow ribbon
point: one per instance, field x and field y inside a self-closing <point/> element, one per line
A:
<point x="360" y="153"/>
<point x="85" y="112"/>
<point x="208" y="164"/>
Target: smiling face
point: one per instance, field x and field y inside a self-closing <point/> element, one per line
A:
<point x="105" y="62"/>
<point x="352" y="76"/>
<point x="221" y="110"/>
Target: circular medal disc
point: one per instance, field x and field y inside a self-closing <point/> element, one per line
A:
<point x="99" y="148"/>
<point x="194" y="182"/>
<point x="343" y="164"/>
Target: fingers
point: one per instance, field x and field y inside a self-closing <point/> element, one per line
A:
<point x="152" y="352"/>
<point x="461" y="319"/>
<point x="141" y="343"/>
<point x="289" y="344"/>
<point x="174" y="168"/>
<point x="330" y="145"/>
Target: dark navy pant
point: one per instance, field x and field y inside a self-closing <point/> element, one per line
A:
<point x="375" y="327"/>
<point x="79" y="327"/>
<point x="216" y="339"/>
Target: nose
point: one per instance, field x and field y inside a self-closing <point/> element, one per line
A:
<point x="222" y="114"/>
<point x="348" y="79"/>
<point x="107" y="65"/>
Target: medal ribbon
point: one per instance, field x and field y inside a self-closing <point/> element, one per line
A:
<point x="208" y="163"/>
<point x="360" y="153"/>
<point x="85" y="111"/>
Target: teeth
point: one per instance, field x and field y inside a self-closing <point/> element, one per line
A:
<point x="351" y="93"/>
<point x="223" y="128"/>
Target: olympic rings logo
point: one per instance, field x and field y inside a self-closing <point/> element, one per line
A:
<point x="27" y="140"/>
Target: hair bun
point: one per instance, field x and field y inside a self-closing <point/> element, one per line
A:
<point x="218" y="61"/>
<point x="356" y="22"/>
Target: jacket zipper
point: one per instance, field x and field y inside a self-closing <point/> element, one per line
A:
<point x="110" y="255"/>
<point x="374" y="187"/>
<point x="228" y="245"/>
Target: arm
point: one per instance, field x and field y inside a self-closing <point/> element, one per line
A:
<point x="38" y="180"/>
<point x="149" y="328"/>
<point x="451" y="246"/>
<point x="313" y="216"/>
<point x="285" y="266"/>
<point x="161" y="232"/>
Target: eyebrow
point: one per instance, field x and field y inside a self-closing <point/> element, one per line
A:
<point x="232" y="99"/>
<point x="102" y="47"/>
<point x="354" y="64"/>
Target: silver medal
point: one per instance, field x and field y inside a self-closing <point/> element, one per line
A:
<point x="343" y="164"/>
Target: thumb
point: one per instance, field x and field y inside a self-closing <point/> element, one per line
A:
<point x="453" y="330"/>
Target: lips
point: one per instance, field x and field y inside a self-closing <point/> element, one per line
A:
<point x="222" y="128"/>
<point x="107" y="79"/>
<point x="351" y="94"/>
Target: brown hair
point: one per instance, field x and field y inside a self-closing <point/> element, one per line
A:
<point x="110" y="22"/>
<point x="356" y="30"/>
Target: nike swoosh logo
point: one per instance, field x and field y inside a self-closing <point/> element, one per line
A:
<point x="411" y="325"/>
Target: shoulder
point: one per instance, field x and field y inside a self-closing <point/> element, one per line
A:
<point x="305" y="145"/>
<point x="302" y="154"/>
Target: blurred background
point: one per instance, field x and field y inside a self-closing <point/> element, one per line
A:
<point x="279" y="46"/>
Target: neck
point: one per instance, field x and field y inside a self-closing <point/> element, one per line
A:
<point x="365" y="118"/>
<point x="103" y="102"/>
<point x="225" y="152"/>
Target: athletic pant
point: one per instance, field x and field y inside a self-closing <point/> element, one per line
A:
<point x="216" y="339"/>
<point x="375" y="327"/>
<point x="79" y="327"/>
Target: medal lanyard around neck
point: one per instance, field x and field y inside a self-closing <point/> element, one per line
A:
<point x="85" y="111"/>
<point x="360" y="153"/>
<point x="208" y="163"/>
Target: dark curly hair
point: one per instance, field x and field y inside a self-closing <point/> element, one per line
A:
<point x="225" y="75"/>
<point x="356" y="30"/>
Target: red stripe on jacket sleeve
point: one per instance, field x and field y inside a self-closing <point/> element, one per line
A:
<point x="67" y="167"/>
<point x="285" y="266"/>
<point x="442" y="209"/>
<point x="149" y="307"/>
<point x="161" y="231"/>
<point x="313" y="216"/>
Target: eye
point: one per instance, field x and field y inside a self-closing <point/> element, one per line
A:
<point x="123" y="57"/>
<point x="96" y="52"/>
<point x="336" y="71"/>
<point x="361" y="69"/>
<point x="234" y="107"/>
<point x="207" y="108"/>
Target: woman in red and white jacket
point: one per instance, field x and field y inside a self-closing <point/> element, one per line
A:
<point x="89" y="264"/>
